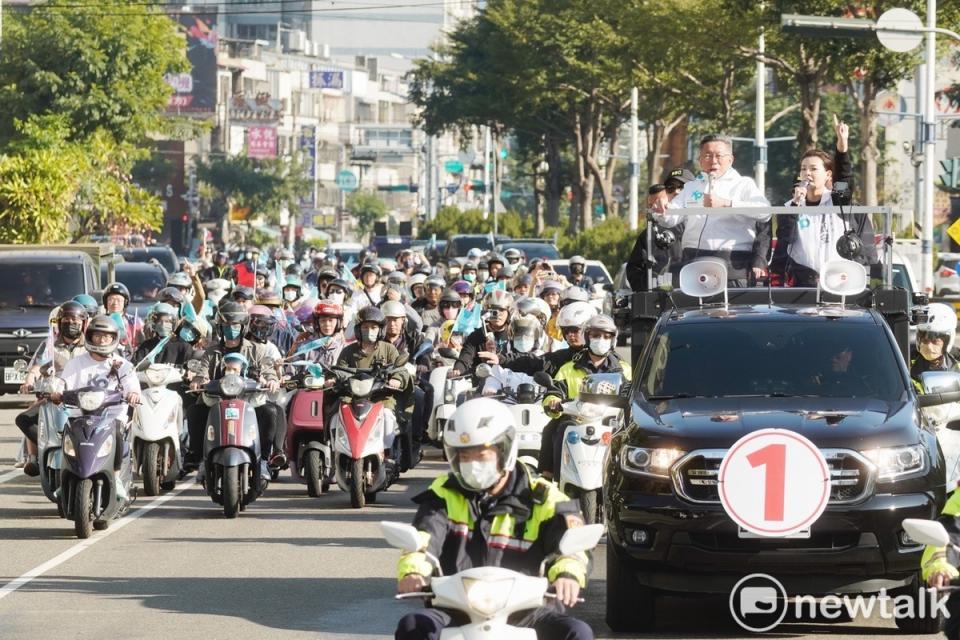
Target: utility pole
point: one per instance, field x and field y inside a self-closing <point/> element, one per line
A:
<point x="929" y="151"/>
<point x="760" y="143"/>
<point x="486" y="172"/>
<point x="916" y="154"/>
<point x="634" y="214"/>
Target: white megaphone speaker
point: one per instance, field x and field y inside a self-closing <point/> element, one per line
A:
<point x="704" y="278"/>
<point x="843" y="278"/>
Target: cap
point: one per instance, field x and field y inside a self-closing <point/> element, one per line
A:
<point x="680" y="175"/>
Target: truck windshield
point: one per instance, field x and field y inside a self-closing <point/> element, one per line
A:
<point x="772" y="359"/>
<point x="33" y="283"/>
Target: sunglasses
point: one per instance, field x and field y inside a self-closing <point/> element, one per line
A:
<point x="450" y="305"/>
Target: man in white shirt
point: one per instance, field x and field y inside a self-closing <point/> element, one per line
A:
<point x="743" y="241"/>
<point x="101" y="366"/>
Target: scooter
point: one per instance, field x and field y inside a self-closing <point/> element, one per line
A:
<point x="307" y="445"/>
<point x="590" y="421"/>
<point x="366" y="446"/>
<point x="445" y="392"/>
<point x="158" y="428"/>
<point x="97" y="476"/>
<point x="51" y="423"/>
<point x="234" y="471"/>
<point x="523" y="397"/>
<point x="488" y="595"/>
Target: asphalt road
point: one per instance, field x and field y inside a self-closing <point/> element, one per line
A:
<point x="290" y="566"/>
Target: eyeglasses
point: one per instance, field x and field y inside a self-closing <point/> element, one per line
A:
<point x="714" y="156"/>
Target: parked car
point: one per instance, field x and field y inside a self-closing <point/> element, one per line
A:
<point x="531" y="250"/>
<point x="161" y="253"/>
<point x="349" y="252"/>
<point x="459" y="245"/>
<point x="143" y="279"/>
<point x="946" y="279"/>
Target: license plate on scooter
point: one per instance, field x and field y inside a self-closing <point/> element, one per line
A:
<point x="231" y="413"/>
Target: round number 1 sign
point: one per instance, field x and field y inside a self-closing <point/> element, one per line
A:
<point x="774" y="483"/>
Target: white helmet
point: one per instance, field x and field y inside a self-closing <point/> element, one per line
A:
<point x="416" y="279"/>
<point x="527" y="334"/>
<point x="481" y="422"/>
<point x="575" y="314"/>
<point x="941" y="321"/>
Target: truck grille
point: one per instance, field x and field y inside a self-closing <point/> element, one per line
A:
<point x="695" y="476"/>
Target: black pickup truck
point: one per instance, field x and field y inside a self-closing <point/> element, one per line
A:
<point x="32" y="283"/>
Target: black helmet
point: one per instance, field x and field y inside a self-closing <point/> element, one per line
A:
<point x="371" y="314"/>
<point x="102" y="324"/>
<point x="449" y="295"/>
<point x="496" y="258"/>
<point x="116" y="288"/>
<point x="71" y="310"/>
<point x="171" y="295"/>
<point x="371" y="266"/>
<point x="231" y="312"/>
<point x="343" y="284"/>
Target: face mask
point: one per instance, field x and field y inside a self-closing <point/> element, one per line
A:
<point x="470" y="277"/>
<point x="163" y="329"/>
<point x="232" y="331"/>
<point x="524" y="344"/>
<point x="576" y="269"/>
<point x="931" y="351"/>
<point x="337" y="297"/>
<point x="479" y="475"/>
<point x="600" y="346"/>
<point x="371" y="335"/>
<point x="187" y="334"/>
<point x="289" y="295"/>
<point x="450" y="313"/>
<point x="70" y="330"/>
<point x="482" y="275"/>
<point x="248" y="255"/>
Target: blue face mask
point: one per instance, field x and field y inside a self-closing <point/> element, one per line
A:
<point x="470" y="277"/>
<point x="187" y="334"/>
<point x="232" y="331"/>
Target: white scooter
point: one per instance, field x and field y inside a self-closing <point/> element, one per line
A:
<point x="157" y="428"/>
<point x="590" y="421"/>
<point x="488" y="595"/>
<point x="946" y="420"/>
<point x="51" y="422"/>
<point x="445" y="392"/>
<point x="523" y="396"/>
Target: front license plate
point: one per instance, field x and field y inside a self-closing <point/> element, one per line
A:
<point x="799" y="534"/>
<point x="12" y="376"/>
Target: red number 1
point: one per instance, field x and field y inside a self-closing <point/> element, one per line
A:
<point x="774" y="457"/>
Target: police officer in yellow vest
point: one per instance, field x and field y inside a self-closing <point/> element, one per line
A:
<point x="938" y="565"/>
<point x="491" y="510"/>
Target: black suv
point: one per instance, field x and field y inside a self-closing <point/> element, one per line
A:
<point x="709" y="375"/>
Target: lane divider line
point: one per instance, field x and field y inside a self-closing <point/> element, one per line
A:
<point x="115" y="526"/>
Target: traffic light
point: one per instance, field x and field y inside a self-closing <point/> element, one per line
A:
<point x="951" y="176"/>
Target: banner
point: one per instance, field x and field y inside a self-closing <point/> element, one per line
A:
<point x="261" y="142"/>
<point x="195" y="91"/>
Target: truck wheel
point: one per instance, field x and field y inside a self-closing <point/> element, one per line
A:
<point x="313" y="473"/>
<point x="630" y="606"/>
<point x="151" y="469"/>
<point x="917" y="625"/>
<point x="230" y="486"/>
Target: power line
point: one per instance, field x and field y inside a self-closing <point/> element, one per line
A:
<point x="227" y="11"/>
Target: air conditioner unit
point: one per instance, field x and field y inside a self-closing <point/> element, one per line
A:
<point x="297" y="41"/>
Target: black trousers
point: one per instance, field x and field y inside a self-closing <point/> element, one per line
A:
<point x="27" y="422"/>
<point x="549" y="623"/>
<point x="551" y="445"/>
<point x="271" y="422"/>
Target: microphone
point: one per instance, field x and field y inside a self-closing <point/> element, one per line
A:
<point x="797" y="200"/>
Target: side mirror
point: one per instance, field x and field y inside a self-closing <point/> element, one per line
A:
<point x="424" y="349"/>
<point x="583" y="538"/>
<point x="940" y="381"/>
<point x="401" y="536"/>
<point x="928" y="532"/>
<point x="483" y="371"/>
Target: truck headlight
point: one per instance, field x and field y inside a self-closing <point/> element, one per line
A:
<point x="649" y="462"/>
<point x="893" y="463"/>
<point x="106" y="448"/>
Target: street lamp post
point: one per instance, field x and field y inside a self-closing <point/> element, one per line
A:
<point x="898" y="30"/>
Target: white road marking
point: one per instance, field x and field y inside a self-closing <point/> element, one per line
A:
<point x="115" y="526"/>
<point x="10" y="475"/>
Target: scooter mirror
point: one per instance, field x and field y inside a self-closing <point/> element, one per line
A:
<point x="483" y="371"/>
<point x="582" y="538"/>
<point x="543" y="379"/>
<point x="926" y="532"/>
<point x="401" y="536"/>
<point x="424" y="349"/>
<point x="194" y="366"/>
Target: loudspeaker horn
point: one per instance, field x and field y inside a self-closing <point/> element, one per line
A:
<point x="704" y="278"/>
<point x="843" y="278"/>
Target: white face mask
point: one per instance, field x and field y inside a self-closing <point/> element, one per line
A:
<point x="478" y="475"/>
<point x="482" y="275"/>
<point x="931" y="351"/>
<point x="600" y="346"/>
<point x="371" y="335"/>
<point x="336" y="297"/>
<point x="289" y="295"/>
<point x="524" y="344"/>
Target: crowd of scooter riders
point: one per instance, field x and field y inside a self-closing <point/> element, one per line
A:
<point x="389" y="338"/>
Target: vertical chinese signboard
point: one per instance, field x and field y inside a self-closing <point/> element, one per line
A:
<point x="308" y="146"/>
<point x="261" y="142"/>
<point x="196" y="91"/>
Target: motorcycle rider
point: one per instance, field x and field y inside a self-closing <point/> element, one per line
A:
<point x="371" y="292"/>
<point x="416" y="287"/>
<point x="578" y="274"/>
<point x="70" y="324"/>
<point x="292" y="293"/>
<point x="489" y="341"/>
<point x="245" y="271"/>
<point x="599" y="356"/>
<point x="428" y="305"/>
<point x="232" y="320"/>
<point x="327" y="323"/>
<point x="220" y="269"/>
<point x="408" y="342"/>
<point x="469" y="518"/>
<point x="371" y="350"/>
<point x="89" y="303"/>
<point x="162" y="322"/>
<point x="938" y="565"/>
<point x="116" y="299"/>
<point x="550" y="293"/>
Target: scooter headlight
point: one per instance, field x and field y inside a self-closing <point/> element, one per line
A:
<point x="232" y="385"/>
<point x="91" y="400"/>
<point x="342" y="439"/>
<point x="487" y="597"/>
<point x="361" y="388"/>
<point x="106" y="448"/>
<point x="375" y="434"/>
<point x="68" y="448"/>
<point x="590" y="411"/>
<point x="313" y="382"/>
<point x="155" y="376"/>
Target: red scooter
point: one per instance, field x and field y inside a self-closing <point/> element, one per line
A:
<point x="307" y="445"/>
